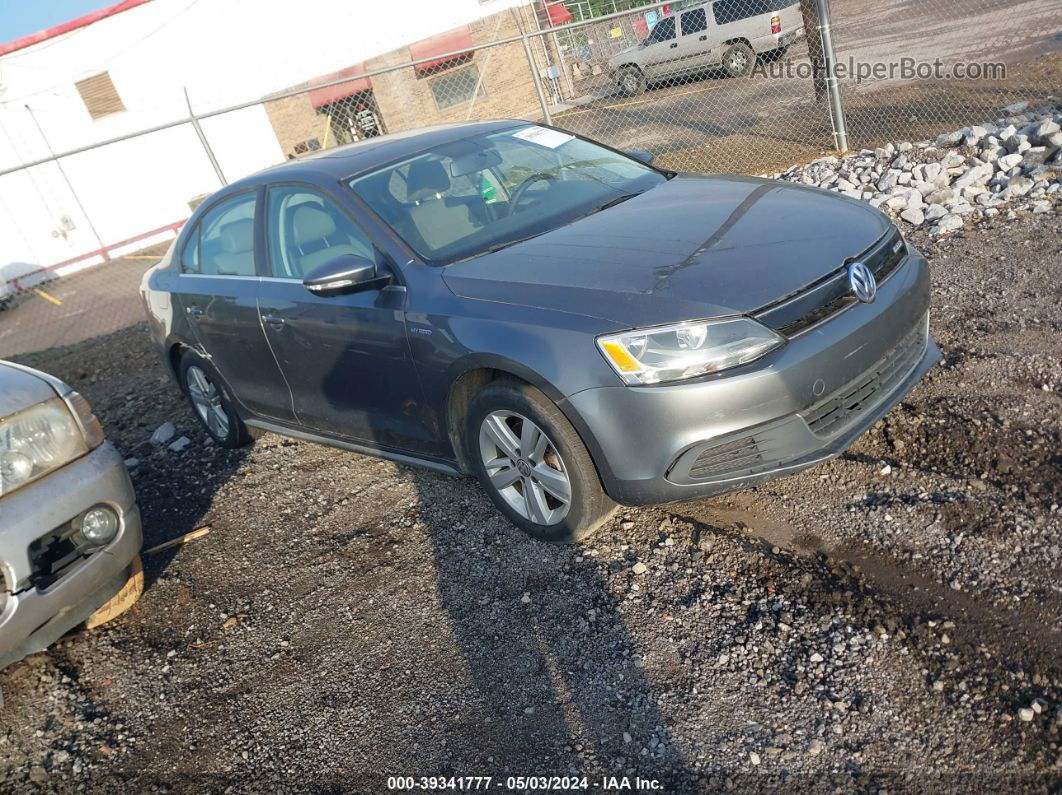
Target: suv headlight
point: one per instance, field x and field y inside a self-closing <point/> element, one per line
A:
<point x="43" y="438"/>
<point x="686" y="350"/>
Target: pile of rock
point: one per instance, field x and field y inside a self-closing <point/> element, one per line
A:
<point x="1014" y="162"/>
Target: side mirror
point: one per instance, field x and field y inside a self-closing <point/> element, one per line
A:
<point x="347" y="273"/>
<point x="641" y="154"/>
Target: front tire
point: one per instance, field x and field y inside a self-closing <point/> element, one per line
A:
<point x="533" y="465"/>
<point x="211" y="402"/>
<point x="631" y="81"/>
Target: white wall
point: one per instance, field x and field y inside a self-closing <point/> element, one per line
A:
<point x="223" y="52"/>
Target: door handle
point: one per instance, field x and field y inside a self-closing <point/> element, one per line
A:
<point x="273" y="321"/>
<point x="673" y="44"/>
<point x="194" y="312"/>
<point x="702" y="38"/>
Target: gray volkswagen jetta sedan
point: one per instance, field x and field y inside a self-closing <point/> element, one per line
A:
<point x="568" y="323"/>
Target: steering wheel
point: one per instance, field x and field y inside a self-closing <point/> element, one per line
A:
<point x="521" y="189"/>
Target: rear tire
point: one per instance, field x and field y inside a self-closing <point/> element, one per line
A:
<point x="212" y="403"/>
<point x="532" y="463"/>
<point x="631" y="81"/>
<point x="739" y="60"/>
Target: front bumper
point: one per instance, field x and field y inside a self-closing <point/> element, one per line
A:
<point x="805" y="403"/>
<point x="32" y="617"/>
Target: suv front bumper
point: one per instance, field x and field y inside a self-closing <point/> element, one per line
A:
<point x="803" y="404"/>
<point x="32" y="617"/>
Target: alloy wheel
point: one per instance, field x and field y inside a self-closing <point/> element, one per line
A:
<point x="206" y="398"/>
<point x="525" y="467"/>
<point x="738" y="62"/>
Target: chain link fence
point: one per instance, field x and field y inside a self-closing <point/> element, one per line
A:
<point x="730" y="85"/>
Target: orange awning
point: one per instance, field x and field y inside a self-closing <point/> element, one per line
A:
<point x="558" y="14"/>
<point x="449" y="42"/>
<point x="319" y="97"/>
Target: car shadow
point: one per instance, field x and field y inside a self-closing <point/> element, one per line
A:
<point x="559" y="680"/>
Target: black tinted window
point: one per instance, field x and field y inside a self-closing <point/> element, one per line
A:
<point x="226" y="244"/>
<point x="664" y="30"/>
<point x="694" y="21"/>
<point x="727" y="11"/>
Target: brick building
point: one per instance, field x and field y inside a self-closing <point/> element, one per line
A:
<point x="479" y="81"/>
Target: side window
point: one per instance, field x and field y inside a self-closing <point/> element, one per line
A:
<point x="190" y="253"/>
<point x="664" y="30"/>
<point x="226" y="238"/>
<point x="694" y="21"/>
<point x="307" y="229"/>
<point x="725" y="11"/>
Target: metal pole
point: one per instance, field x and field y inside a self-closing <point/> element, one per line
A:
<point x="564" y="66"/>
<point x="840" y="128"/>
<point x="203" y="140"/>
<point x="546" y="117"/>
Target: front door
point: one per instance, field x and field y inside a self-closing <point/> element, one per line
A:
<point x="346" y="357"/>
<point x="661" y="50"/>
<point x="695" y="50"/>
<point x="219" y="296"/>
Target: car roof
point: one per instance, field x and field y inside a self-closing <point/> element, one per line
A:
<point x="362" y="156"/>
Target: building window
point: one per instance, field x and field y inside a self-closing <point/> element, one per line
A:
<point x="311" y="145"/>
<point x="99" y="95"/>
<point x="456" y="88"/>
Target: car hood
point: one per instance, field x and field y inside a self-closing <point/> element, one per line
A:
<point x="20" y="389"/>
<point x="619" y="57"/>
<point x="693" y="247"/>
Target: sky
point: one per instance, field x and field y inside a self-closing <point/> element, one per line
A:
<point x="21" y="17"/>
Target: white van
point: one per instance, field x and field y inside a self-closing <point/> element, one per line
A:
<point x="725" y="33"/>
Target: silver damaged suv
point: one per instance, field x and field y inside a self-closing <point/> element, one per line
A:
<point x="70" y="531"/>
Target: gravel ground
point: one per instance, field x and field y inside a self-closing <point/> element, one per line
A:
<point x="889" y="620"/>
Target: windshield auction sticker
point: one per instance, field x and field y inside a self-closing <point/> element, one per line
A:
<point x="543" y="136"/>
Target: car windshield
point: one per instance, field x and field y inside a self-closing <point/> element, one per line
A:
<point x="485" y="192"/>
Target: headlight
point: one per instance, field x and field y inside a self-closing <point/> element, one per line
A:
<point x="686" y="350"/>
<point x="37" y="441"/>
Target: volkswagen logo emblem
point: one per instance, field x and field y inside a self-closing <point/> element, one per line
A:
<point x="861" y="280"/>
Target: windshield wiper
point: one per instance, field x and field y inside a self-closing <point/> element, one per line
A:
<point x="500" y="246"/>
<point x="613" y="202"/>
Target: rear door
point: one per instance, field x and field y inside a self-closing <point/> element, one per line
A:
<point x="346" y="356"/>
<point x="219" y="296"/>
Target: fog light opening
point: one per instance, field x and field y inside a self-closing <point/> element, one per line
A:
<point x="99" y="525"/>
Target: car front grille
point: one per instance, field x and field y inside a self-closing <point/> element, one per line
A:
<point x="840" y="410"/>
<point x="55" y="554"/>
<point x="832" y="294"/>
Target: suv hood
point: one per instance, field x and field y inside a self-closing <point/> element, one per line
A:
<point x="693" y="247"/>
<point x="620" y="57"/>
